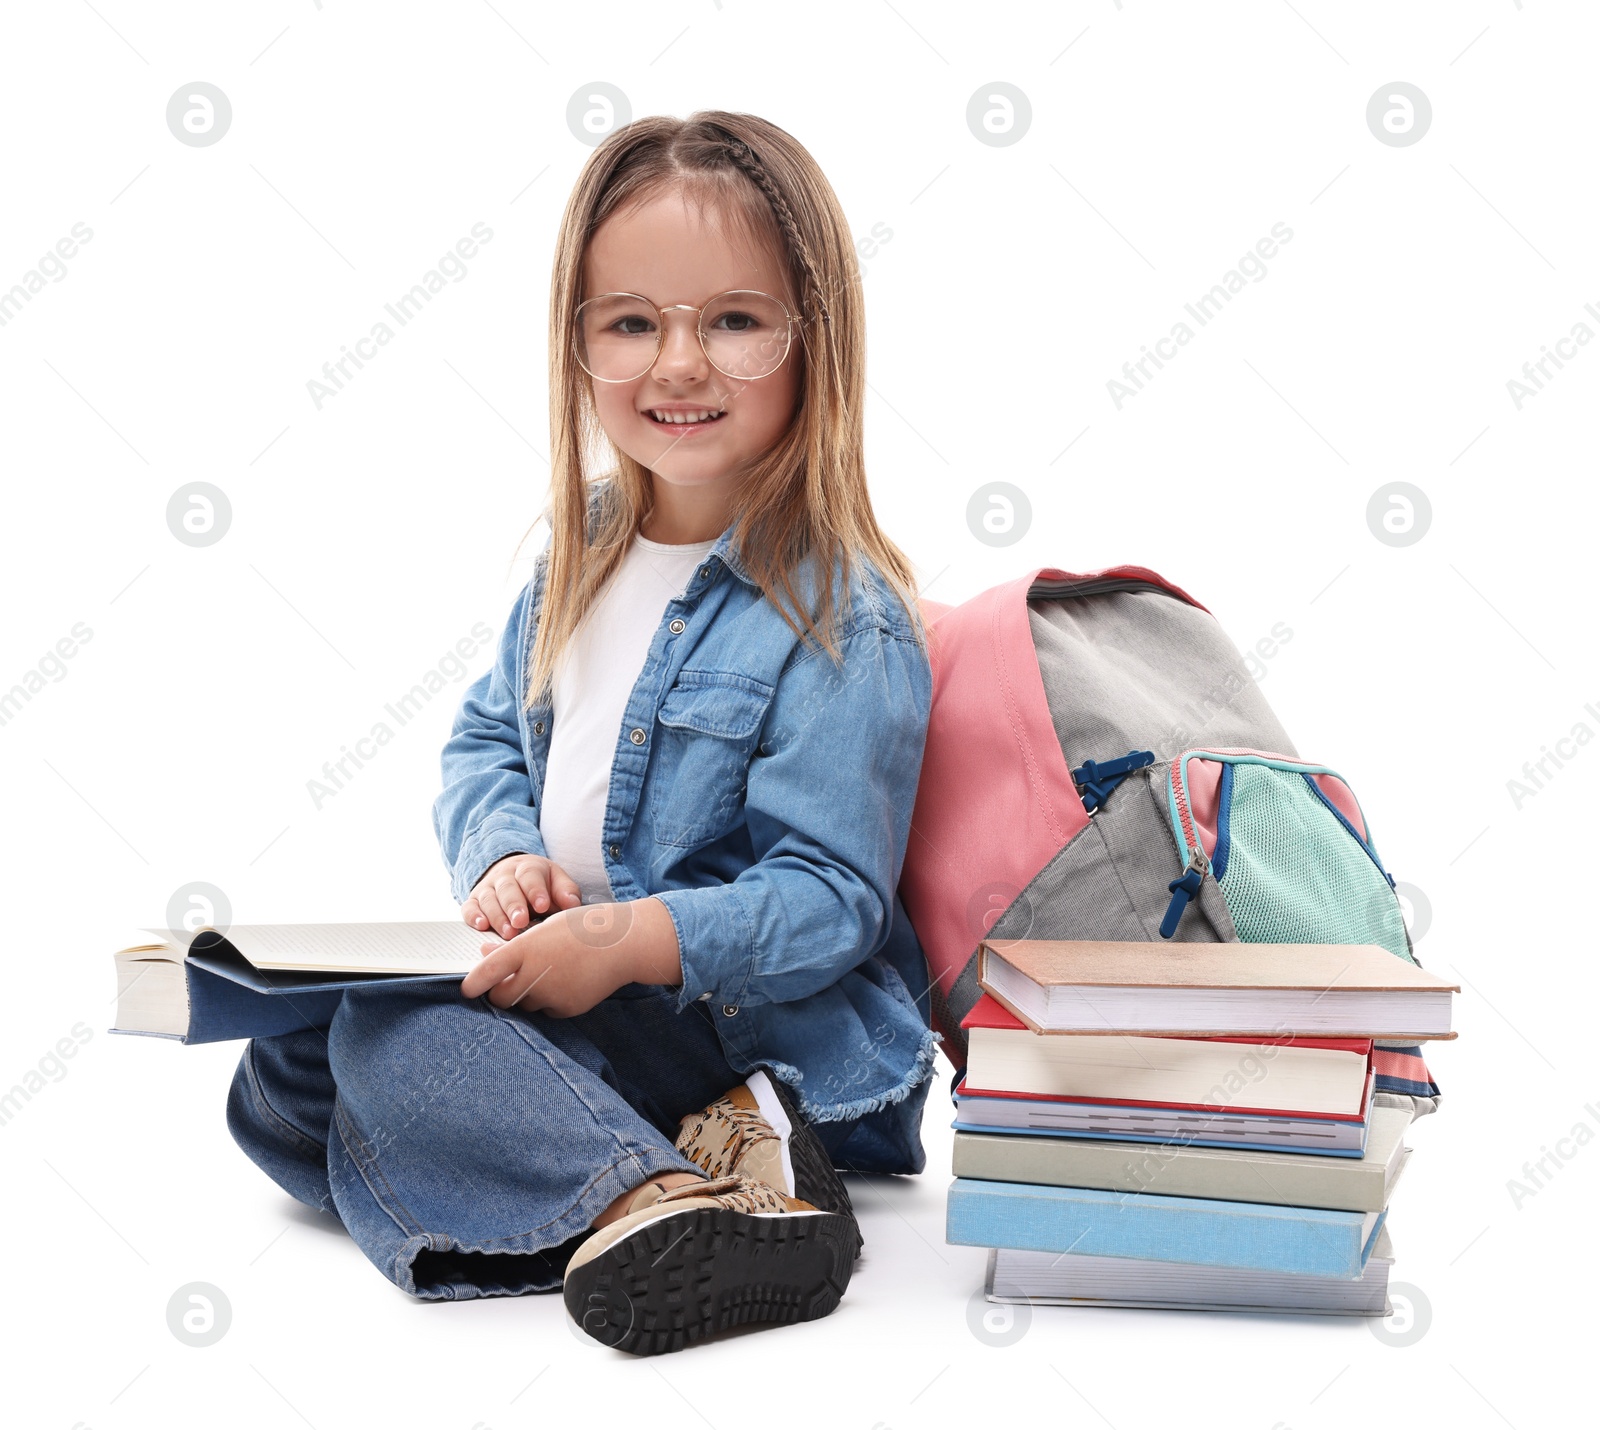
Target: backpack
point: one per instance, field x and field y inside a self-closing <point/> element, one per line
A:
<point x="1101" y="764"/>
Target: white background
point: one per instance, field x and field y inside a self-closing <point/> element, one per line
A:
<point x="367" y="538"/>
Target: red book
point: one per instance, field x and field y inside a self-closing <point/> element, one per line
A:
<point x="1289" y="1076"/>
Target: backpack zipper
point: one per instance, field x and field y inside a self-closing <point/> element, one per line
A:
<point x="1187" y="885"/>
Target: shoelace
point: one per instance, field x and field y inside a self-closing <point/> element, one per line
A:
<point x="746" y="1122"/>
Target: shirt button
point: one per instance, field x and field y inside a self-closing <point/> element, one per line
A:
<point x="538" y="727"/>
<point x="704" y="572"/>
<point x="676" y="628"/>
<point x="729" y="1009"/>
<point x="614" y="850"/>
<point x="637" y="736"/>
<point x="705" y="997"/>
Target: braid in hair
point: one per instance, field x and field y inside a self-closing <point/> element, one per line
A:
<point x="744" y="156"/>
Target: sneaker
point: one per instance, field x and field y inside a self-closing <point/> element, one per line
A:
<point x="702" y="1257"/>
<point x="758" y="1130"/>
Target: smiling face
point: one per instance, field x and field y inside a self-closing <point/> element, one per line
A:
<point x="663" y="251"/>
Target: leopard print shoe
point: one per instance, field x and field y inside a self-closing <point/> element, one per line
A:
<point x="758" y="1130"/>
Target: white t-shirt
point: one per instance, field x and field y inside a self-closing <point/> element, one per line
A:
<point x="590" y="693"/>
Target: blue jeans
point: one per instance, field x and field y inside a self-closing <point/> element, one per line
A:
<point x="468" y="1148"/>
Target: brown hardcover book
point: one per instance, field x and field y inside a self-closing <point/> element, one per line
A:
<point x="1215" y="989"/>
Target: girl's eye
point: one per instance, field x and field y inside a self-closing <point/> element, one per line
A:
<point x="736" y="322"/>
<point x="623" y="326"/>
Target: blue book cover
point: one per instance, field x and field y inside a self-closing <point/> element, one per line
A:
<point x="1167" y="1140"/>
<point x="1022" y="1215"/>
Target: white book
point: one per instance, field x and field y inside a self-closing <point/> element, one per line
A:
<point x="1046" y="1278"/>
<point x="442" y="946"/>
<point x="1215" y="989"/>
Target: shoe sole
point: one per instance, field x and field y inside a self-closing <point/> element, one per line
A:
<point x="676" y="1280"/>
<point x="816" y="1179"/>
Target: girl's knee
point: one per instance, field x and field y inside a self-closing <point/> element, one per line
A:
<point x="387" y="1040"/>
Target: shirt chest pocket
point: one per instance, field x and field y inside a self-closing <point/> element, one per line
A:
<point x="706" y="733"/>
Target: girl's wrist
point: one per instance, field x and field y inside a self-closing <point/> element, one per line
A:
<point x="651" y="943"/>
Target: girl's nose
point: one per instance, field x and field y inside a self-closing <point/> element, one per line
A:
<point x="681" y="354"/>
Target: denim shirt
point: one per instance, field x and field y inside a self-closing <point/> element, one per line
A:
<point x="765" y="795"/>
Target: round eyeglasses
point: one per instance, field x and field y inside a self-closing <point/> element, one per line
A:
<point x="745" y="334"/>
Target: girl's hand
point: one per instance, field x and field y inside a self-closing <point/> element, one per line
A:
<point x="551" y="968"/>
<point x="502" y="897"/>
<point x="577" y="958"/>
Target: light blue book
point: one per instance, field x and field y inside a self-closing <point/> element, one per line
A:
<point x="1308" y="1241"/>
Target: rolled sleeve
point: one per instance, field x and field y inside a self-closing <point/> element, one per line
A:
<point x="716" y="943"/>
<point x="828" y="806"/>
<point x="486" y="809"/>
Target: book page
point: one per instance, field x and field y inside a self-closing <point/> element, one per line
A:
<point x="154" y="943"/>
<point x="435" y="947"/>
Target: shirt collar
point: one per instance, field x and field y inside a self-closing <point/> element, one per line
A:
<point x="726" y="550"/>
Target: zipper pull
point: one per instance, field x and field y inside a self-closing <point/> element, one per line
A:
<point x="1096" y="780"/>
<point x="1183" y="889"/>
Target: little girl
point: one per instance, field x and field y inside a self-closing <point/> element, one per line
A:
<point x="681" y="797"/>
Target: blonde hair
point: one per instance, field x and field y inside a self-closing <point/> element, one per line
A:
<point x="806" y="496"/>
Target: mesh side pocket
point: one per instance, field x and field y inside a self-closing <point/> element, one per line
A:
<point x="1295" y="874"/>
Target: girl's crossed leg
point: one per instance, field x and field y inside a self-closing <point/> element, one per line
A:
<point x="468" y="1149"/>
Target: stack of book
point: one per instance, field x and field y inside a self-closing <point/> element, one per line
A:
<point x="1188" y="1126"/>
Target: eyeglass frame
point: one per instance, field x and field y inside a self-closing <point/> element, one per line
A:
<point x="700" y="336"/>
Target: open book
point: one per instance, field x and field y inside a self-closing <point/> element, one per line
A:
<point x="259" y="980"/>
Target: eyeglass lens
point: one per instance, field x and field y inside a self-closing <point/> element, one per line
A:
<point x="745" y="335"/>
